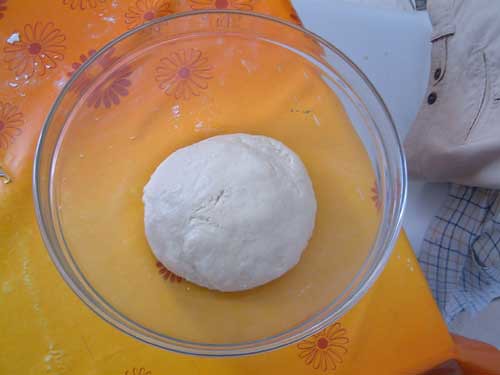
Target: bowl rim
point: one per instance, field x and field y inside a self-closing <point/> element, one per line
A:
<point x="224" y="350"/>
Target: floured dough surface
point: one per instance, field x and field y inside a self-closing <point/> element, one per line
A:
<point x="231" y="212"/>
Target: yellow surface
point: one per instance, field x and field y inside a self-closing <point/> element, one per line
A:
<point x="396" y="328"/>
<point x="46" y="329"/>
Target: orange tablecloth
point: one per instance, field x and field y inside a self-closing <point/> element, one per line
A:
<point x="46" y="329"/>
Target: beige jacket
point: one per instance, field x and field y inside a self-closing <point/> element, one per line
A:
<point x="456" y="136"/>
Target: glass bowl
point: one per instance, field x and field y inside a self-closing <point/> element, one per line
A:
<point x="178" y="80"/>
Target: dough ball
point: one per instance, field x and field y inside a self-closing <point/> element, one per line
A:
<point x="231" y="212"/>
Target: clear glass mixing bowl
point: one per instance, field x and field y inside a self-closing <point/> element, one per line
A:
<point x="184" y="78"/>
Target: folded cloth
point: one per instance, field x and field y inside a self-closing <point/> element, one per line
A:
<point x="461" y="251"/>
<point x="456" y="137"/>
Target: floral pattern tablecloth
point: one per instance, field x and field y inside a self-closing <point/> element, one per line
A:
<point x="45" y="329"/>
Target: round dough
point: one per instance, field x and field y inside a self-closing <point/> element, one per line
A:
<point x="231" y="212"/>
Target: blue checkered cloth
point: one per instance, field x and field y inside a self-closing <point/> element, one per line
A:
<point x="461" y="251"/>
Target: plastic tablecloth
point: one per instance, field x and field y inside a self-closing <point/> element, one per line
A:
<point x="46" y="329"/>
